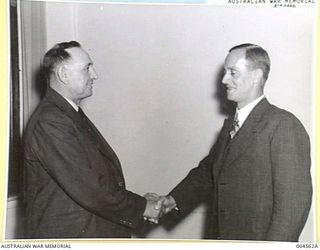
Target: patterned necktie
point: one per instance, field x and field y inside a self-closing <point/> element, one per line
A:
<point x="235" y="126"/>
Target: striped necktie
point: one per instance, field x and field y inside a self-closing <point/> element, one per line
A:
<point x="235" y="126"/>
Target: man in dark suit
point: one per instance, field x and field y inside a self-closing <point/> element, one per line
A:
<point x="258" y="171"/>
<point x="74" y="186"/>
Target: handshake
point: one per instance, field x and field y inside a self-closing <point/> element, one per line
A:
<point x="158" y="205"/>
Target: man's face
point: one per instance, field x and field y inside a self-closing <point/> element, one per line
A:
<point x="238" y="78"/>
<point x="81" y="74"/>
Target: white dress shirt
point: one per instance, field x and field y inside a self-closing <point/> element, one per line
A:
<point x="75" y="106"/>
<point x="244" y="112"/>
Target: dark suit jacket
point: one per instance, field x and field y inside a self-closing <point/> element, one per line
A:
<point x="260" y="181"/>
<point x="74" y="186"/>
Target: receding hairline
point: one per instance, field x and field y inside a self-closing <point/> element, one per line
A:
<point x="73" y="55"/>
<point x="242" y="53"/>
<point x="256" y="56"/>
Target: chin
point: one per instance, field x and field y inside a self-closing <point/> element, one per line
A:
<point x="230" y="98"/>
<point x="87" y="95"/>
<point x="90" y="92"/>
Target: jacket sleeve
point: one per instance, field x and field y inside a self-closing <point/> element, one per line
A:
<point x="56" y="145"/>
<point x="292" y="188"/>
<point x="196" y="186"/>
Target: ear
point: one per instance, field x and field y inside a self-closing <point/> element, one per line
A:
<point x="257" y="76"/>
<point x="61" y="74"/>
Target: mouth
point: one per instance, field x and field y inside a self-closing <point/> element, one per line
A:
<point x="89" y="87"/>
<point x="228" y="89"/>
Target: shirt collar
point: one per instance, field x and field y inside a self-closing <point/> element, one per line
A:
<point x="75" y="106"/>
<point x="244" y="112"/>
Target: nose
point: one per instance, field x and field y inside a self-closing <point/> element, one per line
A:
<point x="94" y="74"/>
<point x="225" y="78"/>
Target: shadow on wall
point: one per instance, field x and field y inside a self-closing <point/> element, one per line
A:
<point x="171" y="220"/>
<point x="226" y="108"/>
<point x="41" y="83"/>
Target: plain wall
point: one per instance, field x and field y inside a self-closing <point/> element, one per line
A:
<point x="157" y="97"/>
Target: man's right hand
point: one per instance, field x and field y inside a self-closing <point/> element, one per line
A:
<point x="157" y="205"/>
<point x="154" y="208"/>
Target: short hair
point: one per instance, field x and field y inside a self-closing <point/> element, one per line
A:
<point x="257" y="56"/>
<point x="55" y="56"/>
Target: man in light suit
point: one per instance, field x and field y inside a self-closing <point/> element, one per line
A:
<point x="258" y="171"/>
<point x="74" y="186"/>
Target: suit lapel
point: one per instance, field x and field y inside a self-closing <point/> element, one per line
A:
<point x="244" y="137"/>
<point x="221" y="147"/>
<point x="104" y="147"/>
<point x="94" y="135"/>
<point x="53" y="97"/>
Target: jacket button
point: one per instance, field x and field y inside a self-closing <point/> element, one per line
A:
<point x="121" y="184"/>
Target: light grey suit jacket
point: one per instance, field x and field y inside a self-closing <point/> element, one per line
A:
<point x="259" y="181"/>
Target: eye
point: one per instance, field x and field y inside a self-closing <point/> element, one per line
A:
<point x="233" y="73"/>
<point x="87" y="68"/>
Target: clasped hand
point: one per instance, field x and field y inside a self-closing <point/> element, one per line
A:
<point x="157" y="206"/>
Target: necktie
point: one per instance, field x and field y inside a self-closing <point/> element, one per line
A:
<point x="80" y="112"/>
<point x="235" y="126"/>
<point x="86" y="122"/>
